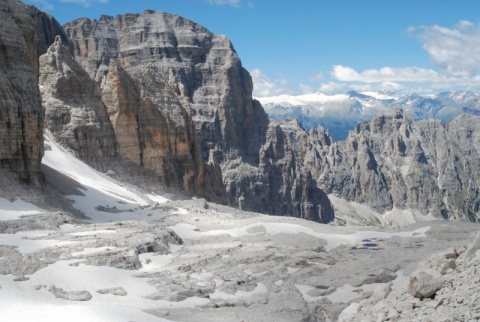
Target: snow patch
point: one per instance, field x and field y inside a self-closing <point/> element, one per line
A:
<point x="13" y="210"/>
<point x="26" y="241"/>
<point x="333" y="240"/>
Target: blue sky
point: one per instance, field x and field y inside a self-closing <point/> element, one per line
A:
<point x="332" y="46"/>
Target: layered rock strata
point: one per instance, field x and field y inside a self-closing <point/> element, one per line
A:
<point x="282" y="183"/>
<point x="75" y="113"/>
<point x="25" y="34"/>
<point x="396" y="162"/>
<point x="21" y="114"/>
<point x="180" y="104"/>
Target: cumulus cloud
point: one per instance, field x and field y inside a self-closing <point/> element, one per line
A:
<point x="385" y="74"/>
<point x="316" y="77"/>
<point x="264" y="86"/>
<point x="85" y="3"/>
<point x="233" y="3"/>
<point x="331" y="87"/>
<point x="455" y="50"/>
<point x="306" y="89"/>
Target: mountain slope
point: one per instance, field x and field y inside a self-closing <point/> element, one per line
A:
<point x="340" y="113"/>
<point x="144" y="257"/>
<point x="179" y="106"/>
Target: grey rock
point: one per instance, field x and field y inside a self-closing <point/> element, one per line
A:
<point x="397" y="162"/>
<point x="454" y="300"/>
<point x="181" y="105"/>
<point x="75" y="114"/>
<point x="425" y="282"/>
<point x="282" y="183"/>
<point x="70" y="296"/>
<point x="117" y="291"/>
<point x="21" y="113"/>
<point x="473" y="247"/>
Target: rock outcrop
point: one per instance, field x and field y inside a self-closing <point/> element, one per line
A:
<point x="180" y="105"/>
<point x="397" y="162"/>
<point x="282" y="183"/>
<point x="433" y="293"/>
<point x="157" y="75"/>
<point x="21" y="115"/>
<point x="74" y="110"/>
<point x="25" y="34"/>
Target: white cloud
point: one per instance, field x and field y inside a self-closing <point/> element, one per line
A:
<point x="331" y="87"/>
<point x="385" y="74"/>
<point x="306" y="89"/>
<point x="316" y="77"/>
<point x="233" y="3"/>
<point x="455" y="50"/>
<point x="85" y="3"/>
<point x="391" y="86"/>
<point x="263" y="86"/>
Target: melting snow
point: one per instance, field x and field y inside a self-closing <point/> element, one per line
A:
<point x="99" y="197"/>
<point x="12" y="210"/>
<point x="333" y="240"/>
<point x="26" y="241"/>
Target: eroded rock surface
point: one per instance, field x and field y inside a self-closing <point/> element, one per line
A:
<point x="21" y="114"/>
<point x="431" y="294"/>
<point x="75" y="114"/>
<point x="396" y="162"/>
<point x="180" y="104"/>
<point x="282" y="183"/>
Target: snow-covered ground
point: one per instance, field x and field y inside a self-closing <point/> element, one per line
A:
<point x="99" y="197"/>
<point x="15" y="209"/>
<point x="216" y="264"/>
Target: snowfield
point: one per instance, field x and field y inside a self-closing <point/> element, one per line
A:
<point x="145" y="257"/>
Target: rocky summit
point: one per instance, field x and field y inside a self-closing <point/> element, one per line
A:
<point x="179" y="104"/>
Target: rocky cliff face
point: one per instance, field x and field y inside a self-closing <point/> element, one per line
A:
<point x="21" y="115"/>
<point x="397" y="162"/>
<point x="25" y="34"/>
<point x="180" y="104"/>
<point x="282" y="183"/>
<point x="133" y="110"/>
<point x="74" y="110"/>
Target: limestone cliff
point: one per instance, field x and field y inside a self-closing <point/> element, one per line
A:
<point x="21" y="114"/>
<point x="397" y="162"/>
<point x="74" y="110"/>
<point x="282" y="183"/>
<point x="180" y="104"/>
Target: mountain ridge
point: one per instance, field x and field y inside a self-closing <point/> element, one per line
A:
<point x="339" y="113"/>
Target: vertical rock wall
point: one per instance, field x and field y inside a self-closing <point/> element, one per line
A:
<point x="395" y="161"/>
<point x="21" y="114"/>
<point x="181" y="104"/>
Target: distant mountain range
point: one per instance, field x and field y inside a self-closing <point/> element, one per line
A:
<point x="340" y="113"/>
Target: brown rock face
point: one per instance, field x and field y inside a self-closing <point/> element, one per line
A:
<point x="21" y="115"/>
<point x="181" y="69"/>
<point x="159" y="93"/>
<point x="181" y="104"/>
<point x="148" y="68"/>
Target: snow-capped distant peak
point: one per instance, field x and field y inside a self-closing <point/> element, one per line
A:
<point x="382" y="95"/>
<point x="302" y="100"/>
